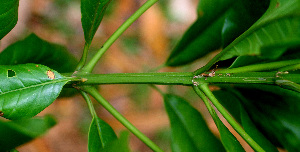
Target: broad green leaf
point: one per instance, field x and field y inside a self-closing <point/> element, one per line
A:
<point x="8" y="16"/>
<point x="209" y="22"/>
<point x="92" y="12"/>
<point x="275" y="111"/>
<point x="120" y="145"/>
<point x="15" y="133"/>
<point x="241" y="15"/>
<point x="277" y="30"/>
<point x="100" y="135"/>
<point x="189" y="130"/>
<point x="232" y="103"/>
<point x="27" y="89"/>
<point x="219" y="23"/>
<point x="35" y="50"/>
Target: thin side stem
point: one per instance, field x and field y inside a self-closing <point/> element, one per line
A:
<point x="89" y="102"/>
<point x="94" y="92"/>
<point x="90" y="66"/>
<point x="83" y="57"/>
<point x="227" y="116"/>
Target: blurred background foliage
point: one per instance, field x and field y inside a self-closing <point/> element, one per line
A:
<point x="144" y="46"/>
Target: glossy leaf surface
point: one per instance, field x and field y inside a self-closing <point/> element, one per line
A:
<point x="189" y="130"/>
<point x="27" y="89"/>
<point x="277" y="30"/>
<point x="15" y="133"/>
<point x="100" y="135"/>
<point x="35" y="50"/>
<point x="8" y="16"/>
<point x="92" y="12"/>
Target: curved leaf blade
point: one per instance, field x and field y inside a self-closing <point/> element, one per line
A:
<point x="52" y="55"/>
<point x="27" y="89"/>
<point x="208" y="14"/>
<point x="232" y="104"/>
<point x="92" y="12"/>
<point x="218" y="24"/>
<point x="189" y="130"/>
<point x="15" y="133"/>
<point x="277" y="29"/>
<point x="100" y="135"/>
<point x="8" y="16"/>
<point x="275" y="110"/>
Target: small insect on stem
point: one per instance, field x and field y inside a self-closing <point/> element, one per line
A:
<point x="50" y="74"/>
<point x="1" y="113"/>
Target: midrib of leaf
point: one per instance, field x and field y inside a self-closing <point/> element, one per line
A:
<point x="37" y="85"/>
<point x="254" y="31"/>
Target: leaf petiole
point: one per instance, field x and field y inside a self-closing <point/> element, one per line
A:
<point x="91" y="64"/>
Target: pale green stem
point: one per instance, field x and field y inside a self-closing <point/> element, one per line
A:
<point x="204" y="87"/>
<point x="83" y="57"/>
<point x="91" y="64"/>
<point x="94" y="92"/>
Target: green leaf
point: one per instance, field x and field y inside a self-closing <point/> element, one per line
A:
<point x="27" y="89"/>
<point x="189" y="130"/>
<point x="15" y="133"/>
<point x="8" y="16"/>
<point x="120" y="145"/>
<point x="209" y="23"/>
<point x="241" y="15"/>
<point x="232" y="103"/>
<point x="100" y="135"/>
<point x="277" y="30"/>
<point x="275" y="110"/>
<point x="35" y="50"/>
<point x="92" y="12"/>
<point x="218" y="24"/>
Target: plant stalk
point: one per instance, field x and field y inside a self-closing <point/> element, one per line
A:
<point x="94" y="92"/>
<point x="83" y="57"/>
<point x="91" y="64"/>
<point x="204" y="87"/>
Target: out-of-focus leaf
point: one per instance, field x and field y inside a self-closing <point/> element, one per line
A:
<point x="219" y="23"/>
<point x="120" y="145"/>
<point x="232" y="103"/>
<point x="275" y="111"/>
<point x="209" y="15"/>
<point x="189" y="130"/>
<point x="92" y="12"/>
<point x="277" y="28"/>
<point x="100" y="135"/>
<point x="27" y="89"/>
<point x="8" y="16"/>
<point x="35" y="50"/>
<point x="15" y="133"/>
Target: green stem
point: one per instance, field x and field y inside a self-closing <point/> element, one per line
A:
<point x="204" y="87"/>
<point x="165" y="78"/>
<point x="94" y="92"/>
<point x="89" y="102"/>
<point x="90" y="66"/>
<point x="83" y="57"/>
